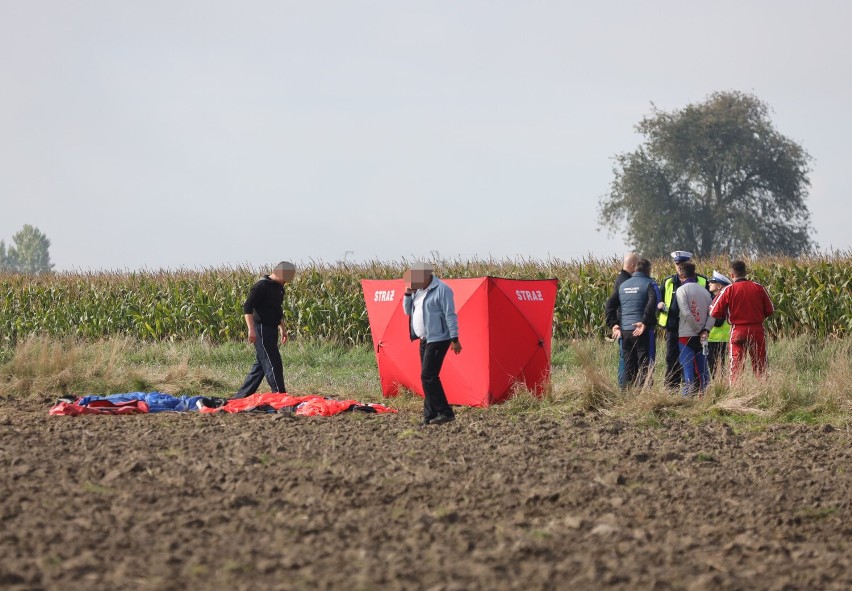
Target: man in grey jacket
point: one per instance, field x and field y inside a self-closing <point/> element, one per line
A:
<point x="429" y="304"/>
<point x="693" y="301"/>
<point x="637" y="317"/>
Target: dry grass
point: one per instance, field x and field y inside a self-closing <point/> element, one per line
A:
<point x="808" y="380"/>
<point x="49" y="368"/>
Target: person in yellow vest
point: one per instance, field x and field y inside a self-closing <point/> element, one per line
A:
<point x="669" y="318"/>
<point x="720" y="334"/>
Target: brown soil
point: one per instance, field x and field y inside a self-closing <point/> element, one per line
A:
<point x="374" y="502"/>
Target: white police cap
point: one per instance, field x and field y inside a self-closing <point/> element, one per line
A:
<point x="719" y="278"/>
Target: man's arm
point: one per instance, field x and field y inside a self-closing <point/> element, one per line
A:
<point x="649" y="317"/>
<point x="611" y="308"/>
<point x="248" y="311"/>
<point x="449" y="308"/>
<point x="768" y="308"/>
<point x="283" y="331"/>
<point x="719" y="308"/>
<point x="252" y="336"/>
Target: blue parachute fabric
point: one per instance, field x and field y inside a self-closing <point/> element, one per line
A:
<point x="156" y="401"/>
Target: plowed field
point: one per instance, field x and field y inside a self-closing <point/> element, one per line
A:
<point x="374" y="502"/>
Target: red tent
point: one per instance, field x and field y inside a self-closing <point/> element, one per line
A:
<point x="505" y="327"/>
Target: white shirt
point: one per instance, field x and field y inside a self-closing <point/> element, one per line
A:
<point x="417" y="321"/>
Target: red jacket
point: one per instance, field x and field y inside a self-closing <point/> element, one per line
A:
<point x="743" y="302"/>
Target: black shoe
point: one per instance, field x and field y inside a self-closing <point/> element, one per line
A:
<point x="441" y="419"/>
<point x="426" y="421"/>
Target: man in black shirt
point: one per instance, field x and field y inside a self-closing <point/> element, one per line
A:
<point x="264" y="314"/>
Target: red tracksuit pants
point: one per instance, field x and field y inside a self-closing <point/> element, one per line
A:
<point x="748" y="339"/>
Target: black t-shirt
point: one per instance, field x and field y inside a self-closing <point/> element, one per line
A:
<point x="265" y="302"/>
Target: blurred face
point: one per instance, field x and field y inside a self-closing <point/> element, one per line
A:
<point x="715" y="287"/>
<point x="630" y="261"/>
<point x="284" y="275"/>
<point x="418" y="279"/>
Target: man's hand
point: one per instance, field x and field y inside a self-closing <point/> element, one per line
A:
<point x="252" y="337"/>
<point x="640" y="328"/>
<point x="283" y="336"/>
<point x="616" y="332"/>
<point x="456" y="347"/>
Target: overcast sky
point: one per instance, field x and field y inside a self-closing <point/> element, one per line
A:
<point x="166" y="134"/>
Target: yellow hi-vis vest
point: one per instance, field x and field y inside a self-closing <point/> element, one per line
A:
<point x="668" y="293"/>
<point x="720" y="334"/>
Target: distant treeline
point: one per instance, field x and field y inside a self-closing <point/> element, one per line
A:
<point x="811" y="296"/>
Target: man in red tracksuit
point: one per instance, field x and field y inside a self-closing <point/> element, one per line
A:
<point x="745" y="304"/>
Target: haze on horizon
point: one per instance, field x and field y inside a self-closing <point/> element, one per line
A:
<point x="199" y="134"/>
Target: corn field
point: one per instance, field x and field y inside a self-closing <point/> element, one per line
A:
<point x="811" y="296"/>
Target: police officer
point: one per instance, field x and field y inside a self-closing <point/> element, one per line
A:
<point x="264" y="315"/>
<point x="669" y="318"/>
<point x="720" y="334"/>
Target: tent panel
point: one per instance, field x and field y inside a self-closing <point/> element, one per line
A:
<point x="535" y="299"/>
<point x="465" y="376"/>
<point x="505" y="327"/>
<point x="512" y="342"/>
<point x="382" y="297"/>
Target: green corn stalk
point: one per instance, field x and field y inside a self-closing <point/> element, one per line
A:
<point x="811" y="296"/>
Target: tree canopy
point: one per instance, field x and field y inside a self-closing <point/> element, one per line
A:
<point x="30" y="253"/>
<point x="712" y="178"/>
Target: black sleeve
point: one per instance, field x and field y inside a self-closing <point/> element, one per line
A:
<point x="612" y="309"/>
<point x="719" y="322"/>
<point x="649" y="318"/>
<point x="674" y="313"/>
<point x="253" y="298"/>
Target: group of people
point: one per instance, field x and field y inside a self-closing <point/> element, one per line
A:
<point x="705" y="320"/>
<point x="428" y="303"/>
<point x="700" y="317"/>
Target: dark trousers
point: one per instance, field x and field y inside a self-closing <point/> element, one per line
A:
<point x="267" y="363"/>
<point x="431" y="359"/>
<point x="674" y="371"/>
<point x="718" y="353"/>
<point x="637" y="357"/>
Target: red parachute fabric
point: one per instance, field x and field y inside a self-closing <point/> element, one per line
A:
<point x="100" y="407"/>
<point x="307" y="406"/>
<point x="505" y="327"/>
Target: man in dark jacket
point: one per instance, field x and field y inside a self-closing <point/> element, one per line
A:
<point x="264" y="315"/>
<point x="611" y="310"/>
<point x="637" y="298"/>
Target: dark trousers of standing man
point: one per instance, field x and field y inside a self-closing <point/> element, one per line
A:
<point x="434" y="398"/>
<point x="637" y="358"/>
<point x="718" y="353"/>
<point x="674" y="371"/>
<point x="267" y="363"/>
